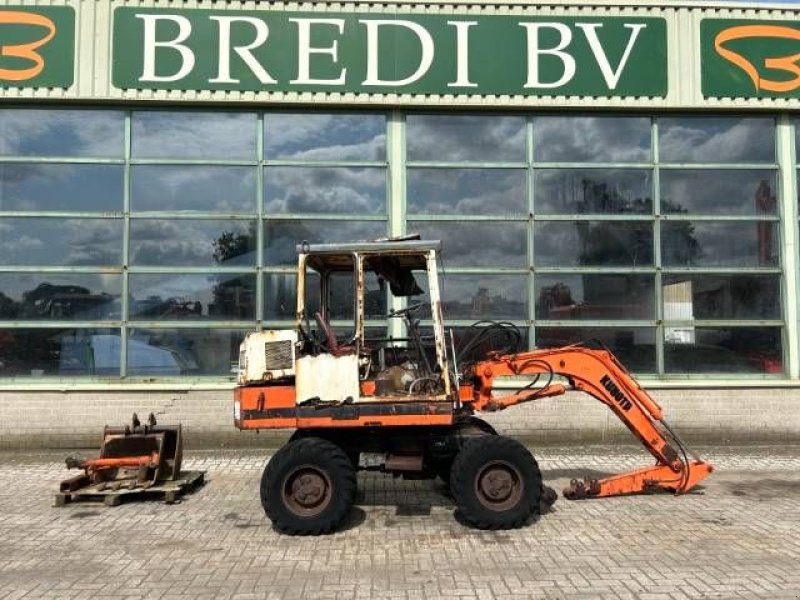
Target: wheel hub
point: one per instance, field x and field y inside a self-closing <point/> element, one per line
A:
<point x="498" y="486"/>
<point x="307" y="491"/>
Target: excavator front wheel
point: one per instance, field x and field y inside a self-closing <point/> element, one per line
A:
<point x="308" y="487"/>
<point x="496" y="483"/>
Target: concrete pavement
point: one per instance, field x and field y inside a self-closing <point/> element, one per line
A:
<point x="734" y="538"/>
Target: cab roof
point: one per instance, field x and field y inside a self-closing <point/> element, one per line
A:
<point x="404" y="253"/>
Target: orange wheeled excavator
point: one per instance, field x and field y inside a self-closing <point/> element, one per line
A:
<point x="403" y="398"/>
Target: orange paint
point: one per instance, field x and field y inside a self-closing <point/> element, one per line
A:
<point x="26" y="51"/>
<point x="788" y="64"/>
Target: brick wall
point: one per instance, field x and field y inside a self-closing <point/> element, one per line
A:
<point x="75" y="419"/>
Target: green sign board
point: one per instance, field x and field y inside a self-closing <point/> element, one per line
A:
<point x="282" y="51"/>
<point x="37" y="46"/>
<point x="750" y="59"/>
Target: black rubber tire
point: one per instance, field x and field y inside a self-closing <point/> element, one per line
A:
<point x="324" y="458"/>
<point x="472" y="424"/>
<point x="504" y="454"/>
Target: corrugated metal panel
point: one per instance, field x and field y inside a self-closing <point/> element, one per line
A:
<point x="93" y="54"/>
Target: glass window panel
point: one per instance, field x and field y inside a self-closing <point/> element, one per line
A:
<point x="283" y="236"/>
<point x="62" y="132"/>
<point x="204" y="188"/>
<point x="718" y="192"/>
<point x="59" y="352"/>
<point x="591" y="139"/>
<point x="467" y="191"/>
<point x="593" y="243"/>
<point x="716" y="139"/>
<point x="478" y="296"/>
<point x="635" y="347"/>
<point x="60" y="296"/>
<point x="280" y="296"/>
<point x="485" y="138"/>
<point x="593" y="191"/>
<point x="688" y="297"/>
<point x="737" y="350"/>
<point x="68" y="242"/>
<point x="319" y="136"/>
<point x="720" y="244"/>
<point x="341" y="298"/>
<point x="164" y="297"/>
<point x="212" y="135"/>
<point x="328" y="190"/>
<point x="595" y="296"/>
<point x="61" y="187"/>
<point x="477" y="243"/>
<point x="172" y="352"/>
<point x="192" y="242"/>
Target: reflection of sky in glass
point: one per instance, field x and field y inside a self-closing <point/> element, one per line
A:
<point x="591" y="139"/>
<point x="481" y="296"/>
<point x="489" y="138"/>
<point x="719" y="244"/>
<point x="598" y="243"/>
<point x="176" y="296"/>
<point x="593" y="191"/>
<point x="61" y="187"/>
<point x="61" y="132"/>
<point x="328" y="190"/>
<point x="51" y="241"/>
<point x="191" y="242"/>
<point x="194" y="135"/>
<point x="718" y="192"/>
<point x="466" y="191"/>
<point x="282" y="237"/>
<point x="716" y="139"/>
<point x="477" y="244"/>
<point x="201" y="188"/>
<point x="315" y="136"/>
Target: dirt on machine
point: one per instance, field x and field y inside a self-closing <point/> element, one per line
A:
<point x="404" y="399"/>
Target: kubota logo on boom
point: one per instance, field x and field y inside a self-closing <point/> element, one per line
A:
<point x="27" y="51"/>
<point x="788" y="63"/>
<point x="616" y="393"/>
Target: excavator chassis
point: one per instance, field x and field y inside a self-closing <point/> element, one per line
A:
<point x="414" y="406"/>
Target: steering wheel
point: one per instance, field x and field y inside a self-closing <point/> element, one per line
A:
<point x="402" y="312"/>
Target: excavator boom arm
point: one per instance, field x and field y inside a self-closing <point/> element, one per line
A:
<point x="599" y="374"/>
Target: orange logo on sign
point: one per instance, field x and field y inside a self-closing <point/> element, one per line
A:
<point x="789" y="64"/>
<point x="27" y="50"/>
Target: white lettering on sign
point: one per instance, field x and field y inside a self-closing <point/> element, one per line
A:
<point x="611" y="76"/>
<point x="426" y="44"/>
<point x="305" y="50"/>
<point x="150" y="45"/>
<point x="244" y="52"/>
<point x="462" y="54"/>
<point x="535" y="51"/>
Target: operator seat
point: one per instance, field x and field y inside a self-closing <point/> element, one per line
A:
<point x="330" y="336"/>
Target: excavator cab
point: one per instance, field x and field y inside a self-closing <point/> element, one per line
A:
<point x="358" y="334"/>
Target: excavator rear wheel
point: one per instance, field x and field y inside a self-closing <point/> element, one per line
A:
<point x="308" y="487"/>
<point x="496" y="483"/>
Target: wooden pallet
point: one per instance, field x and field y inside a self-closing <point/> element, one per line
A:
<point x="112" y="494"/>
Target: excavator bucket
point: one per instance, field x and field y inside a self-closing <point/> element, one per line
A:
<point x="165" y="441"/>
<point x="136" y="456"/>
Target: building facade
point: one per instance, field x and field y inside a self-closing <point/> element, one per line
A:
<point x="617" y="171"/>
